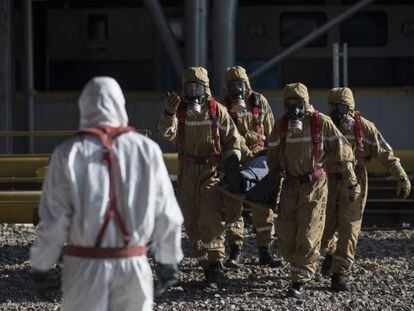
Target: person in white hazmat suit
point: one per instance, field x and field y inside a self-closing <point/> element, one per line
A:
<point x="106" y="195"/>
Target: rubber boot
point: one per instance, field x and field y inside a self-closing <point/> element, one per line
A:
<point x="214" y="275"/>
<point x="267" y="258"/>
<point x="326" y="266"/>
<point x="235" y="257"/>
<point x="296" y="290"/>
<point x="339" y="283"/>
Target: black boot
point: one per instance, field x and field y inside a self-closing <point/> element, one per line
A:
<point x="267" y="258"/>
<point x="214" y="275"/>
<point x="235" y="257"/>
<point x="339" y="283"/>
<point x="326" y="266"/>
<point x="296" y="290"/>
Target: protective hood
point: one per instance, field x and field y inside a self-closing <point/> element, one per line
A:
<point x="102" y="103"/>
<point x="236" y="73"/>
<point x="342" y="95"/>
<point x="197" y="74"/>
<point x="297" y="90"/>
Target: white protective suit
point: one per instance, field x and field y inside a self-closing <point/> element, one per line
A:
<point x="76" y="196"/>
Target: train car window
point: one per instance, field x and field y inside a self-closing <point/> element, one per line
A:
<point x="381" y="1"/>
<point x="256" y="30"/>
<point x="295" y="26"/>
<point x="365" y="29"/>
<point x="279" y="2"/>
<point x="98" y="32"/>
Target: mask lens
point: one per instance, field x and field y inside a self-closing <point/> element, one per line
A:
<point x="293" y="102"/>
<point x="236" y="88"/>
<point x="193" y="90"/>
<point x="295" y="109"/>
<point x="344" y="109"/>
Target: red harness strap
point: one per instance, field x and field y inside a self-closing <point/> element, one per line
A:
<point x="213" y="113"/>
<point x="107" y="136"/>
<point x="316" y="137"/>
<point x="257" y="114"/>
<point x="359" y="138"/>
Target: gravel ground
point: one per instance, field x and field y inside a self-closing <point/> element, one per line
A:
<point x="383" y="279"/>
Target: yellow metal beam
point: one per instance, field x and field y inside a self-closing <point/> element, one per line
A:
<point x="33" y="166"/>
<point x="19" y="206"/>
<point x="171" y="162"/>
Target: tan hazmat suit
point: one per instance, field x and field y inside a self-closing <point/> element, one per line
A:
<point x="344" y="216"/>
<point x="251" y="145"/>
<point x="302" y="205"/>
<point x="198" y="184"/>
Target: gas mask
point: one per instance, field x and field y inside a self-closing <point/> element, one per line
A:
<point x="194" y="94"/>
<point x="295" y="112"/>
<point x="237" y="89"/>
<point x="340" y="116"/>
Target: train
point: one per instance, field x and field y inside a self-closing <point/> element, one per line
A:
<point x="119" y="37"/>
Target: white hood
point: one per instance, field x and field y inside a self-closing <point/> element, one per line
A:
<point x="102" y="103"/>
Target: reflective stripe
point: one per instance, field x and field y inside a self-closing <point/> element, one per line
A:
<point x="198" y="123"/>
<point x="213" y="245"/>
<point x="263" y="229"/>
<point x="301" y="271"/>
<point x="346" y="262"/>
<point x="373" y="143"/>
<point x="243" y="114"/>
<point x="299" y="140"/>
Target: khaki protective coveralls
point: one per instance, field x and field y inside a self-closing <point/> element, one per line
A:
<point x="198" y="184"/>
<point x="344" y="216"/>
<point x="302" y="205"/>
<point x="252" y="144"/>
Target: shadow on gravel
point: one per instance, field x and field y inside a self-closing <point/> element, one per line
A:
<point x="258" y="286"/>
<point x="371" y="248"/>
<point x="16" y="286"/>
<point x="13" y="254"/>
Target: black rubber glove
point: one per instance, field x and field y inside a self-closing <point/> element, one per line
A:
<point x="265" y="190"/>
<point x="42" y="282"/>
<point x="167" y="275"/>
<point x="232" y="171"/>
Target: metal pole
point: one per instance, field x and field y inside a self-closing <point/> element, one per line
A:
<point x="345" y="64"/>
<point x="166" y="35"/>
<point x="196" y="32"/>
<point x="5" y="74"/>
<point x="335" y="64"/>
<point x="312" y="36"/>
<point x="28" y="65"/>
<point x="224" y="27"/>
<point x="203" y="11"/>
<point x="192" y="31"/>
